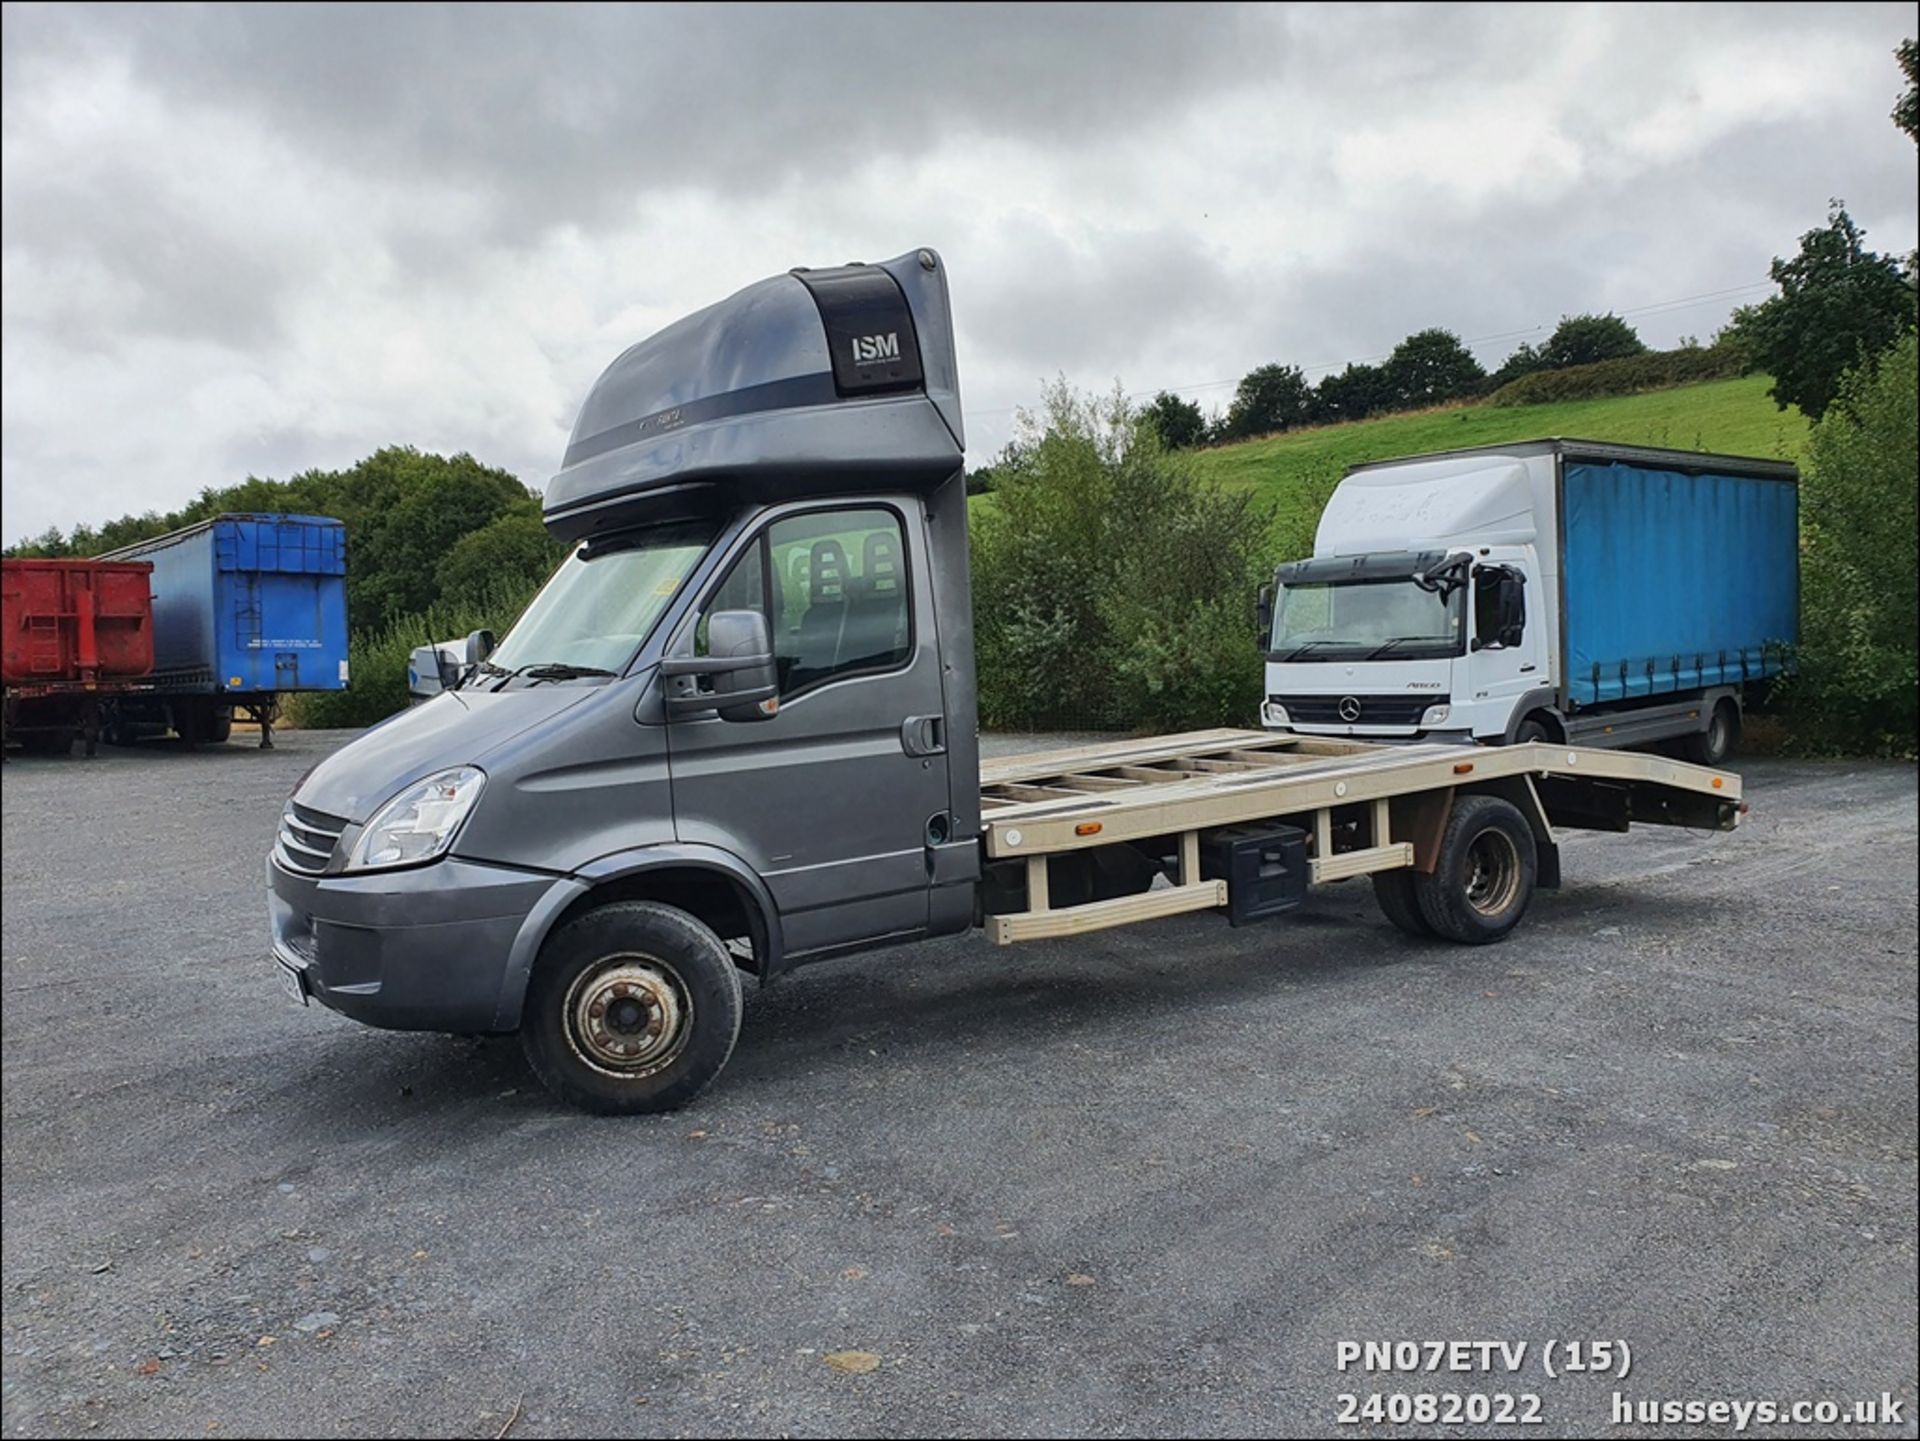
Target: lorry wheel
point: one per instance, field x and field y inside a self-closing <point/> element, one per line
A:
<point x="1483" y="878"/>
<point x="49" y="742"/>
<point x="216" y="724"/>
<point x="632" y="1009"/>
<point x="1394" y="891"/>
<point x="1529" y="732"/>
<point x="1712" y="746"/>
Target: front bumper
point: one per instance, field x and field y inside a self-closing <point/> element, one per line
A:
<point x="424" y="949"/>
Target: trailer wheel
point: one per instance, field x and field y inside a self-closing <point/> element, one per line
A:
<point x="1483" y="878"/>
<point x="216" y="725"/>
<point x="49" y="742"/>
<point x="1712" y="746"/>
<point x="633" y="1008"/>
<point x="1398" y="903"/>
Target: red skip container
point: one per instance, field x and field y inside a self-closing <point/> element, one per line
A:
<point x="75" y="620"/>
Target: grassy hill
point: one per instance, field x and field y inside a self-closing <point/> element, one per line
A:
<point x="1295" y="472"/>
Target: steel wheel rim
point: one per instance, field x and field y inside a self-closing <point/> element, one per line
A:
<point x="1493" y="872"/>
<point x="628" y="1016"/>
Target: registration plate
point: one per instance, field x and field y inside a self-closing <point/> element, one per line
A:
<point x="292" y="982"/>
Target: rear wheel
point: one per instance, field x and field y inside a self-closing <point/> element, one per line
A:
<point x="633" y="1008"/>
<point x="49" y="742"/>
<point x="1712" y="746"/>
<point x="1484" y="875"/>
<point x="1394" y="891"/>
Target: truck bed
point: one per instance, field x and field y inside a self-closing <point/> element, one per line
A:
<point x="1366" y="807"/>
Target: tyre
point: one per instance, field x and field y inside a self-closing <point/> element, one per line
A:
<point x="49" y="742"/>
<point x="633" y="1008"/>
<point x="1483" y="879"/>
<point x="1394" y="891"/>
<point x="1531" y="730"/>
<point x="216" y="725"/>
<point x="1712" y="746"/>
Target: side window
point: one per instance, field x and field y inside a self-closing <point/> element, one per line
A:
<point x="1486" y="606"/>
<point x="745" y="588"/>
<point x="1499" y="606"/>
<point x="839" y="595"/>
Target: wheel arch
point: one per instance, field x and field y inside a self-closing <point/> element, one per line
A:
<point x="1543" y="703"/>
<point x="713" y="885"/>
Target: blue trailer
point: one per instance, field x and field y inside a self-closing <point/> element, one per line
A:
<point x="246" y="610"/>
<point x="1569" y="590"/>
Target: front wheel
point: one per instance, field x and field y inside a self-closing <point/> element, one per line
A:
<point x="633" y="1008"/>
<point x="1484" y="875"/>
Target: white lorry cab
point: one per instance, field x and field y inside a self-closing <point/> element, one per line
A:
<point x="1557" y="590"/>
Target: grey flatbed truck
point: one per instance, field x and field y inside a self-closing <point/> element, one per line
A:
<point x="735" y="733"/>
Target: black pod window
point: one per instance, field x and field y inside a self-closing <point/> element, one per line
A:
<point x="869" y="329"/>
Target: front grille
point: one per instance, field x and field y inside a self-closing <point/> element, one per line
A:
<point x="307" y="838"/>
<point x="1375" y="710"/>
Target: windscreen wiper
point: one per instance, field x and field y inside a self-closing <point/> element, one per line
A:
<point x="1301" y="650"/>
<point x="558" y="670"/>
<point x="1387" y="645"/>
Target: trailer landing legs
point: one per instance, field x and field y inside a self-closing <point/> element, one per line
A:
<point x="264" y="713"/>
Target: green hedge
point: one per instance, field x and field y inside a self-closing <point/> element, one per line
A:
<point x="377" y="660"/>
<point x="1112" y="589"/>
<point x="1628" y="375"/>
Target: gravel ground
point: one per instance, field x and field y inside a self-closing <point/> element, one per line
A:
<point x="1144" y="1181"/>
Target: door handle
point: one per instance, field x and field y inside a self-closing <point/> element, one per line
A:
<point x="923" y="735"/>
<point x="1527" y="667"/>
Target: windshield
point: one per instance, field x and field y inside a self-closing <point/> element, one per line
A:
<point x="1349" y="620"/>
<point x="603" y="600"/>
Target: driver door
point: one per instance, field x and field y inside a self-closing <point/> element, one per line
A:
<point x="1503" y="671"/>
<point x="831" y="800"/>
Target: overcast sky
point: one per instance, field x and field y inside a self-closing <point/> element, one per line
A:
<point x="261" y="239"/>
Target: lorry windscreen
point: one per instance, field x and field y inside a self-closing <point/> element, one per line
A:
<point x="1343" y="620"/>
<point x="603" y="601"/>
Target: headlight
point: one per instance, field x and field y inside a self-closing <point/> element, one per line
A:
<point x="1436" y="715"/>
<point x="1274" y="713"/>
<point x="419" y="823"/>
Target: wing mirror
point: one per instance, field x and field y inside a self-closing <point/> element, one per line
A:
<point x="1263" y="614"/>
<point x="736" y="677"/>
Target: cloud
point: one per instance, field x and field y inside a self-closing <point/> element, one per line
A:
<point x="263" y="238"/>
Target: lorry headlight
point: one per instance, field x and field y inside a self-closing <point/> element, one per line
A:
<point x="1273" y="713"/>
<point x="419" y="823"/>
<point x="1436" y="715"/>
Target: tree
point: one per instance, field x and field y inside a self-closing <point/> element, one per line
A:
<point x="1525" y="360"/>
<point x="1906" y="110"/>
<point x="1270" y="398"/>
<point x="1584" y="339"/>
<point x="1112" y="586"/>
<point x="514" y="552"/>
<point x="1352" y="394"/>
<point x="1839" y="305"/>
<point x="1177" y="422"/>
<point x="1431" y="367"/>
<point x="1858" y="672"/>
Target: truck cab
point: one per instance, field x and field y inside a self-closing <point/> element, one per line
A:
<point x="748" y="690"/>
